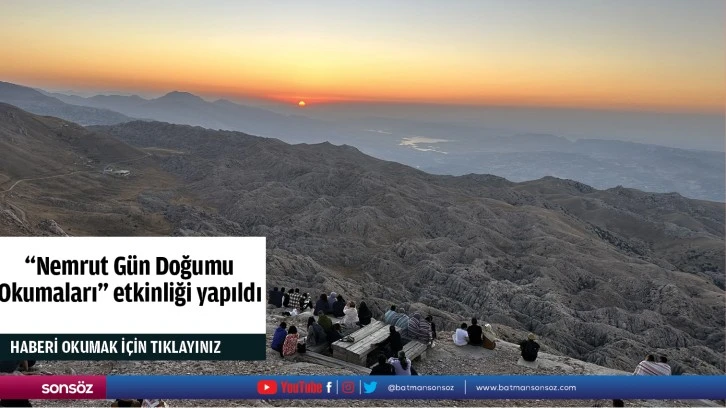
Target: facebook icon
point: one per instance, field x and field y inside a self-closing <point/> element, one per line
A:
<point x="329" y="386"/>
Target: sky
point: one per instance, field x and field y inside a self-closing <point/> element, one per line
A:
<point x="663" y="55"/>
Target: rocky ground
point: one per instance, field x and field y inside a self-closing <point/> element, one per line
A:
<point x="444" y="359"/>
<point x="602" y="276"/>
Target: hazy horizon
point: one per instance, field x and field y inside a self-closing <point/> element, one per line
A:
<point x="705" y="131"/>
<point x="662" y="55"/>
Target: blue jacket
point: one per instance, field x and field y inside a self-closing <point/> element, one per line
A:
<point x="321" y="306"/>
<point x="278" y="338"/>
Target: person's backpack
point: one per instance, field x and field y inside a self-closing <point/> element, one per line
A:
<point x="301" y="348"/>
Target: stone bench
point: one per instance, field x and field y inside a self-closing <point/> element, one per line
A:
<point x="330" y="362"/>
<point x="415" y="349"/>
<point x="365" y="340"/>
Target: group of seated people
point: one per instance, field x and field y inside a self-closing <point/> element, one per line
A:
<point x="323" y="330"/>
<point x="475" y="335"/>
<point x="293" y="298"/>
<point x="398" y="365"/>
<point x="333" y="304"/>
<point x="413" y="327"/>
<point x="336" y="306"/>
<point x="650" y="366"/>
<point x="285" y="340"/>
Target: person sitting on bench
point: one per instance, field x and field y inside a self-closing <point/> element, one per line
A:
<point x="401" y="364"/>
<point x="364" y="314"/>
<point x="393" y="343"/>
<point x="382" y="368"/>
<point x="390" y="314"/>
<point x="400" y="320"/>
<point x="334" y="334"/>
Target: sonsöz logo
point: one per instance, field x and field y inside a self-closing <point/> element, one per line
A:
<point x="80" y="388"/>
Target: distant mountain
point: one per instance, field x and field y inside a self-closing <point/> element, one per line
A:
<point x="36" y="102"/>
<point x="189" y="109"/>
<point x="452" y="148"/>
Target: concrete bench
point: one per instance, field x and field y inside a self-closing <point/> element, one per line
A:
<point x="365" y="338"/>
<point x="317" y="358"/>
<point x="415" y="349"/>
<point x="319" y="348"/>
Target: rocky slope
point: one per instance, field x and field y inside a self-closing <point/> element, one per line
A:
<point x="52" y="180"/>
<point x="604" y="276"/>
<point x="41" y="104"/>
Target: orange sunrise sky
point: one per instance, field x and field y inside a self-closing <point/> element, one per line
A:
<point x="655" y="54"/>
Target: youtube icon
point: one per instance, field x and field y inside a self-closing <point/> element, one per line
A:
<point x="266" y="387"/>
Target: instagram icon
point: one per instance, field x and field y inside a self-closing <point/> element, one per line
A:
<point x="347" y="387"/>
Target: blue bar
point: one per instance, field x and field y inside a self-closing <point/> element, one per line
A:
<point x="417" y="387"/>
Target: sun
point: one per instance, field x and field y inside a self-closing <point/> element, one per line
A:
<point x="301" y="104"/>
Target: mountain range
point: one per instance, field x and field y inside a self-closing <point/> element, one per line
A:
<point x="42" y="104"/>
<point x="439" y="148"/>
<point x="189" y="109"/>
<point x="605" y="276"/>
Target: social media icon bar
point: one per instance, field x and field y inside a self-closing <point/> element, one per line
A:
<point x="202" y="387"/>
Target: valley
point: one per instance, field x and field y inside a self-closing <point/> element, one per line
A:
<point x="605" y="276"/>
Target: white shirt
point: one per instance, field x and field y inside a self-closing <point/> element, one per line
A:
<point x="351" y="316"/>
<point x="461" y="337"/>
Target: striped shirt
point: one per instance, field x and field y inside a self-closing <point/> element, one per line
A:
<point x="652" y="368"/>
